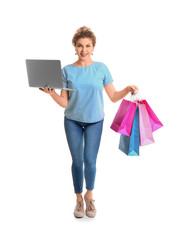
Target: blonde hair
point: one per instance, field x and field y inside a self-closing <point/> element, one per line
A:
<point x="83" y="32"/>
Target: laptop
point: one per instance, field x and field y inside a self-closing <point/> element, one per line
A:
<point x="45" y="73"/>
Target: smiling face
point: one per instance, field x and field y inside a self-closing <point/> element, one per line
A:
<point x="84" y="48"/>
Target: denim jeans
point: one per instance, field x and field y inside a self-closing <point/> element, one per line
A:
<point x="83" y="141"/>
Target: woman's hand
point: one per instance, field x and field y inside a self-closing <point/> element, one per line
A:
<point x="47" y="90"/>
<point x="132" y="89"/>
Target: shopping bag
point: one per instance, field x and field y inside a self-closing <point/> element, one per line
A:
<point x="122" y="110"/>
<point x="124" y="143"/>
<point x="130" y="144"/>
<point x="154" y="121"/>
<point x="135" y="136"/>
<point x="146" y="135"/>
<point x="123" y="120"/>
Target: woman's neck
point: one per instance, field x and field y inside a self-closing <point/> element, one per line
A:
<point x="81" y="63"/>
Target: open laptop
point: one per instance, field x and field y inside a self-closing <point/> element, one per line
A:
<point x="45" y="73"/>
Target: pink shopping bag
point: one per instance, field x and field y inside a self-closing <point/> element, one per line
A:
<point x="123" y="120"/>
<point x="146" y="135"/>
<point x="154" y="121"/>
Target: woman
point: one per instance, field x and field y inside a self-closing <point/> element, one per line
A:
<point x="84" y="114"/>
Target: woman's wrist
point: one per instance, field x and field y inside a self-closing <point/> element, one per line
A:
<point x="127" y="89"/>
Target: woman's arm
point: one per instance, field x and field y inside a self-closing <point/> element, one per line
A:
<point x="61" y="100"/>
<point x="118" y="95"/>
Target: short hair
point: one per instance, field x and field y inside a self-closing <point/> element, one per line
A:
<point x="83" y="32"/>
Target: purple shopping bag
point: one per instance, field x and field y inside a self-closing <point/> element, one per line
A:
<point x="154" y="121"/>
<point x="146" y="135"/>
<point x="123" y="120"/>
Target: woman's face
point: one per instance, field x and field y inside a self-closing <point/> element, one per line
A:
<point x="84" y="48"/>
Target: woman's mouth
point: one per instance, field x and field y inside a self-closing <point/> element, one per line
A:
<point x="83" y="54"/>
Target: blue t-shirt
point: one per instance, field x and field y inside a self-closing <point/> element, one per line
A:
<point x="86" y="104"/>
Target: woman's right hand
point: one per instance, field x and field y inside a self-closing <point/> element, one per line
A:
<point x="47" y="90"/>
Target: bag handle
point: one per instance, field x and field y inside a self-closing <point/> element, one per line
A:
<point x="136" y="97"/>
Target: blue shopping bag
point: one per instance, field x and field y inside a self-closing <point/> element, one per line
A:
<point x="130" y="144"/>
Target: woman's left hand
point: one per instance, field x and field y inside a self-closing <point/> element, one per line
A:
<point x="132" y="89"/>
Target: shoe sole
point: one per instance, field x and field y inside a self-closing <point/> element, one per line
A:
<point x="78" y="216"/>
<point x="90" y="215"/>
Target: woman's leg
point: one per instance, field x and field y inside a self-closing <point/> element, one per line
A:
<point x="93" y="134"/>
<point x="74" y="134"/>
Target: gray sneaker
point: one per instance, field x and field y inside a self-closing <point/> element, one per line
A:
<point x="79" y="210"/>
<point x="90" y="208"/>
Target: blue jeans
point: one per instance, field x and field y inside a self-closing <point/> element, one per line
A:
<point x="83" y="141"/>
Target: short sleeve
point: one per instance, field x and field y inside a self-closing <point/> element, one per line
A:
<point x="107" y="75"/>
<point x="64" y="76"/>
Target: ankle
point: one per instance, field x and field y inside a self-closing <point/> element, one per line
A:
<point x="79" y="198"/>
<point x="88" y="195"/>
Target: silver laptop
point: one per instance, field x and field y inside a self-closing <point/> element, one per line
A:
<point x="45" y="73"/>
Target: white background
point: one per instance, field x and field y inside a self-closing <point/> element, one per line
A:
<point x="136" y="197"/>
